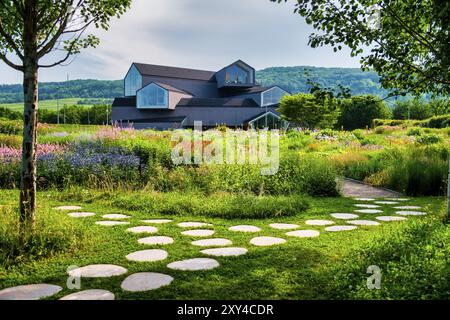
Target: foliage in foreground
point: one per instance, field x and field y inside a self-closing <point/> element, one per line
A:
<point x="414" y="259"/>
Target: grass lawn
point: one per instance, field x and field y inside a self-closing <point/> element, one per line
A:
<point x="298" y="269"/>
<point x="45" y="104"/>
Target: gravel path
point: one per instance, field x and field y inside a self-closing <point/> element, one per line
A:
<point x="352" y="188"/>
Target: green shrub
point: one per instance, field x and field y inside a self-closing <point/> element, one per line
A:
<point x="414" y="132"/>
<point x="12" y="141"/>
<point x="414" y="259"/>
<point x="12" y="127"/>
<point x="222" y="205"/>
<point x="429" y="138"/>
<point x="10" y="114"/>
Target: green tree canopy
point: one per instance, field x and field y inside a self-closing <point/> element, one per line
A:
<point x="406" y="42"/>
<point x="416" y="109"/>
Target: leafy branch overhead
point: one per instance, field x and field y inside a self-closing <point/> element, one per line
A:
<point x="406" y="42"/>
<point x="61" y="27"/>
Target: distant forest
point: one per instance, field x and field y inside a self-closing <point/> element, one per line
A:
<point x="292" y="79"/>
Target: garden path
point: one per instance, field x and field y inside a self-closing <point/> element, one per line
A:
<point x="353" y="188"/>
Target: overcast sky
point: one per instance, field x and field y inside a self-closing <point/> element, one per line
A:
<point x="201" y="34"/>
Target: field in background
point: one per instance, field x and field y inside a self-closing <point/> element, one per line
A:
<point x="46" y="104"/>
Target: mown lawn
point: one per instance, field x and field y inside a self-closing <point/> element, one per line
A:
<point x="45" y="104"/>
<point x="299" y="269"/>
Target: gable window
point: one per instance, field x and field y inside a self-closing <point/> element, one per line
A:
<point x="237" y="75"/>
<point x="133" y="82"/>
<point x="152" y="96"/>
<point x="273" y="96"/>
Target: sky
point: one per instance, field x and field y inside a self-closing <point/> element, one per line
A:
<point x="199" y="34"/>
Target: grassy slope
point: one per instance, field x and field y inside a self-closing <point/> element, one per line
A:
<point x="44" y="104"/>
<point x="294" y="270"/>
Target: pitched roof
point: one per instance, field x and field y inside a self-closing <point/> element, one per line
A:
<point x="170" y="88"/>
<point x="217" y="102"/>
<point x="174" y="72"/>
<point x="125" y="102"/>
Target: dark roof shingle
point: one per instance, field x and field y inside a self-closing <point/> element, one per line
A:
<point x="174" y="72"/>
<point x="217" y="102"/>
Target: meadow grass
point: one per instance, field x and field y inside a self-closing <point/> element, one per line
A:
<point x="45" y="104"/>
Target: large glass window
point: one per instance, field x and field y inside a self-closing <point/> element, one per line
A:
<point x="133" y="82"/>
<point x="152" y="96"/>
<point x="273" y="96"/>
<point x="270" y="121"/>
<point x="237" y="75"/>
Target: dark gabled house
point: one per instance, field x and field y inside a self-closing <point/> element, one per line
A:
<point x="163" y="97"/>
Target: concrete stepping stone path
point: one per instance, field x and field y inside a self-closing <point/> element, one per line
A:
<point x="217" y="242"/>
<point x="411" y="213"/>
<point x="390" y="218"/>
<point x="81" y="214"/>
<point x="367" y="206"/>
<point x="90" y="295"/>
<point x="244" y="228"/>
<point x="194" y="264"/>
<point x="340" y="228"/>
<point x="364" y="199"/>
<point x="408" y="207"/>
<point x="225" y="252"/>
<point x="397" y="199"/>
<point x="116" y="216"/>
<point x="68" y="208"/>
<point x="157" y="221"/>
<point x="98" y="271"/>
<point x="158" y="240"/>
<point x="319" y="222"/>
<point x="304" y="234"/>
<point x="111" y="223"/>
<point x="29" y="292"/>
<point x="387" y="202"/>
<point x="266" y="241"/>
<point x="363" y="222"/>
<point x="147" y="255"/>
<point x="284" y="226"/>
<point x="145" y="281"/>
<point x="344" y="216"/>
<point x="198" y="233"/>
<point x="194" y="224"/>
<point x="371" y="211"/>
<point x="143" y="229"/>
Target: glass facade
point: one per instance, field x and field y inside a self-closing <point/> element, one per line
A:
<point x="152" y="96"/>
<point x="133" y="82"/>
<point x="237" y="75"/>
<point x="273" y="96"/>
<point x="270" y="121"/>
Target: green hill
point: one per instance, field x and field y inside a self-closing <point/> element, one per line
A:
<point x="292" y="79"/>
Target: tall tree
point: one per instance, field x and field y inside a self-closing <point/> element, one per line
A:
<point x="29" y="31"/>
<point x="406" y="41"/>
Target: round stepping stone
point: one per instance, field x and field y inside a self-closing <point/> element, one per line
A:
<point x="90" y="295"/>
<point x="266" y="241"/>
<point x="143" y="229"/>
<point x="372" y="211"/>
<point x="225" y="252"/>
<point x="303" y="233"/>
<point x="344" y="216"/>
<point x="68" y="208"/>
<point x="115" y="216"/>
<point x="98" y="271"/>
<point x="364" y="199"/>
<point x="148" y="255"/>
<point x="145" y="281"/>
<point x="408" y="208"/>
<point x="397" y="199"/>
<point x="81" y="214"/>
<point x="111" y="223"/>
<point x="218" y="242"/>
<point x="411" y="213"/>
<point x="29" y="292"/>
<point x="244" y="228"/>
<point x="194" y="264"/>
<point x="319" y="222"/>
<point x="194" y="224"/>
<point x="390" y="218"/>
<point x="387" y="202"/>
<point x="156" y="240"/>
<point x="340" y="228"/>
<point x="157" y="221"/>
<point x="363" y="222"/>
<point x="284" y="226"/>
<point x="368" y="206"/>
<point x="198" y="233"/>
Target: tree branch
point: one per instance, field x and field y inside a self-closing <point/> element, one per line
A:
<point x="10" y="63"/>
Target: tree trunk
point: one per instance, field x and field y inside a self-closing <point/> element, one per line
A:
<point x="30" y="90"/>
